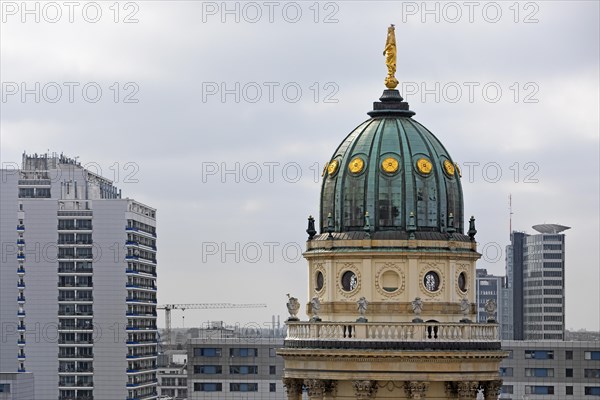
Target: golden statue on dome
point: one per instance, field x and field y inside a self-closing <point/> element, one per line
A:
<point x="390" y="58"/>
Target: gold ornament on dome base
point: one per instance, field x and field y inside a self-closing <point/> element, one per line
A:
<point x="356" y="165"/>
<point x="449" y="167"/>
<point x="333" y="167"/>
<point x="390" y="165"/>
<point x="424" y="166"/>
<point x="390" y="58"/>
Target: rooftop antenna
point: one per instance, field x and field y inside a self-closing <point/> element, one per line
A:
<point x="510" y="214"/>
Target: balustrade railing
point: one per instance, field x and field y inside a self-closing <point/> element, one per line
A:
<point x="393" y="331"/>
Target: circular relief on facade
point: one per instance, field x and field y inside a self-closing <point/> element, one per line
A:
<point x="462" y="282"/>
<point x="424" y="166"/>
<point x="333" y="167"/>
<point x="390" y="281"/>
<point x="319" y="281"/>
<point x="356" y="165"/>
<point x="449" y="168"/>
<point x="431" y="281"/>
<point x="390" y="165"/>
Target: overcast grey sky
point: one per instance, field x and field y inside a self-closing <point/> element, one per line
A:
<point x="222" y="115"/>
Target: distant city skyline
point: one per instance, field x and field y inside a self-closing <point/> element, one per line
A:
<point x="203" y="120"/>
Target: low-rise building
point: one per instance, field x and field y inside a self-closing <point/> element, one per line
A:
<point x="172" y="382"/>
<point x="16" y="386"/>
<point x="234" y="368"/>
<point x="550" y="370"/>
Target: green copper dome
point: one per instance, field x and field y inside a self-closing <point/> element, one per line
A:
<point x="390" y="167"/>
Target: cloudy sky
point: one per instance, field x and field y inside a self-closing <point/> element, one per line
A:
<point x="222" y="116"/>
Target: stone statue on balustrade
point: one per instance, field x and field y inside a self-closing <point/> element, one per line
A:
<point x="362" y="304"/>
<point x="464" y="308"/>
<point x="315" y="307"/>
<point x="417" y="306"/>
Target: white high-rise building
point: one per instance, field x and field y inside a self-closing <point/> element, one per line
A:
<point x="535" y="291"/>
<point x="77" y="283"/>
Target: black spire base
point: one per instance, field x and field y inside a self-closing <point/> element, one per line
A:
<point x="391" y="104"/>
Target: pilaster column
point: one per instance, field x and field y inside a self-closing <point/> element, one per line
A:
<point x="467" y="390"/>
<point x="450" y="390"/>
<point x="491" y="389"/>
<point x="416" y="389"/>
<point x="293" y="388"/>
<point x="318" y="388"/>
<point x="365" y="390"/>
<point x="330" y="389"/>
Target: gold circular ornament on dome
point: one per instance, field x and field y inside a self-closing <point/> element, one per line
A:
<point x="449" y="168"/>
<point x="390" y="165"/>
<point x="333" y="167"/>
<point x="356" y="165"/>
<point x="424" y="166"/>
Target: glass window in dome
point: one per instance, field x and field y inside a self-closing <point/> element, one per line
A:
<point x="327" y="201"/>
<point x="427" y="215"/>
<point x="453" y="200"/>
<point x="354" y="197"/>
<point x="390" y="201"/>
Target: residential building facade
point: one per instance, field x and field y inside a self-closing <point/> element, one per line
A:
<point x="172" y="382"/>
<point x="550" y="370"/>
<point x="78" y="283"/>
<point x="16" y="386"/>
<point x="234" y="368"/>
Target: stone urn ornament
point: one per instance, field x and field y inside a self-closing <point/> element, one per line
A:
<point x="293" y="307"/>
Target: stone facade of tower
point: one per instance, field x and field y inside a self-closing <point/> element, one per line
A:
<point x="441" y="355"/>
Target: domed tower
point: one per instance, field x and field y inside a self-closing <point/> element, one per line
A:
<point x="392" y="272"/>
